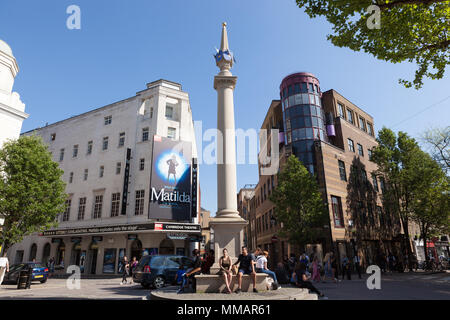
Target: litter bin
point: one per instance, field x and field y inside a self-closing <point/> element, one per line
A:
<point x="24" y="280"/>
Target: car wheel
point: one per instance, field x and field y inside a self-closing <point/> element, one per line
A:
<point x="145" y="285"/>
<point x="44" y="281"/>
<point x="159" y="282"/>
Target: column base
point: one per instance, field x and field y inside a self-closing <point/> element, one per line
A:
<point x="229" y="234"/>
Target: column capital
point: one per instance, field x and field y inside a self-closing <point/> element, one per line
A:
<point x="225" y="82"/>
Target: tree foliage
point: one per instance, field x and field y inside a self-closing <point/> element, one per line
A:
<point x="416" y="187"/>
<point x="438" y="140"/>
<point x="299" y="205"/>
<point x="410" y="30"/>
<point x="31" y="190"/>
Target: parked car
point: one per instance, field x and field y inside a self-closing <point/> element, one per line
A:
<point x="40" y="272"/>
<point x="159" y="270"/>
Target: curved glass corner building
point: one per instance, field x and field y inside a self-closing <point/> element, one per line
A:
<point x="303" y="115"/>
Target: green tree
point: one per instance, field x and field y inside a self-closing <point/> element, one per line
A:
<point x="31" y="190"/>
<point x="299" y="205"/>
<point x="438" y="140"/>
<point x="410" y="30"/>
<point x="394" y="156"/>
<point x="431" y="198"/>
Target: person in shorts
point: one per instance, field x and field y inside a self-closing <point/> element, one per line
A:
<point x="246" y="263"/>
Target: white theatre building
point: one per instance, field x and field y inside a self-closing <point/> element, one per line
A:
<point x="12" y="109"/>
<point x="106" y="155"/>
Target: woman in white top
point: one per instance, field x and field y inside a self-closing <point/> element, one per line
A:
<point x="261" y="267"/>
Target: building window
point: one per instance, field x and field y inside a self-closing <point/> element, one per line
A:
<point x="382" y="185"/>
<point x="360" y="150"/>
<point x="89" y="147"/>
<point x="370" y="128"/>
<point x="121" y="139"/>
<point x="53" y="136"/>
<point x="337" y="211"/>
<point x="101" y="172"/>
<point x="350" y="116"/>
<point x="369" y="153"/>
<point x="86" y="172"/>
<point x="145" y="134"/>
<point x="105" y="143"/>
<point x="66" y="214"/>
<point x="380" y="215"/>
<point x="139" y="207"/>
<point x="98" y="203"/>
<point x="81" y="208"/>
<point x="141" y="164"/>
<point x="171" y="133"/>
<point x="351" y="146"/>
<point x="151" y="112"/>
<point x="71" y="177"/>
<point x="169" y="111"/>
<point x="61" y="155"/>
<point x="108" y="120"/>
<point x="364" y="176"/>
<point x="342" y="172"/>
<point x="341" y="111"/>
<point x="362" y="124"/>
<point x="118" y="167"/>
<point x="115" y="204"/>
<point x="375" y="182"/>
<point x="75" y="151"/>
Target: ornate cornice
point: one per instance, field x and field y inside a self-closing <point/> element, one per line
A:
<point x="225" y="82"/>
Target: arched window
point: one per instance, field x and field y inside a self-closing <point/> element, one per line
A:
<point x="33" y="251"/>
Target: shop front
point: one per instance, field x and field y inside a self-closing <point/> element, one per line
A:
<point x="101" y="250"/>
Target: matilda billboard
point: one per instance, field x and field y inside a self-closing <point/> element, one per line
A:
<point x="170" y="182"/>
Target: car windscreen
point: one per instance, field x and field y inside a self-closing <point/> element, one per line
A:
<point x="144" y="261"/>
<point x="157" y="261"/>
<point x="16" y="267"/>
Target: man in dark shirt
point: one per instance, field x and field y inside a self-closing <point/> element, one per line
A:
<point x="246" y="266"/>
<point x="195" y="270"/>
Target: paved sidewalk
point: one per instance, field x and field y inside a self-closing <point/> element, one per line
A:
<point x="395" y="286"/>
<point x="89" y="289"/>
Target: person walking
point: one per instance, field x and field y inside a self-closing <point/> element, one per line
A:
<point x="334" y="266"/>
<point x="4" y="267"/>
<point x="357" y="263"/>
<point x="225" y="269"/>
<point x="246" y="263"/>
<point x="302" y="280"/>
<point x="328" y="273"/>
<point x="133" y="265"/>
<point x="291" y="264"/>
<point x="261" y="267"/>
<point x="315" y="270"/>
<point x="346" y="268"/>
<point x="126" y="270"/>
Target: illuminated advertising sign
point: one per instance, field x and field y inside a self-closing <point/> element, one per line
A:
<point x="170" y="182"/>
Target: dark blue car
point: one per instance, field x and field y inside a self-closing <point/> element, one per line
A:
<point x="40" y="272"/>
<point x="159" y="270"/>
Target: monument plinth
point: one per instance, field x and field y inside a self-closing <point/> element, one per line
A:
<point x="227" y="224"/>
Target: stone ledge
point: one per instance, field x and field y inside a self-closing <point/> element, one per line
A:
<point x="214" y="283"/>
<point x="285" y="293"/>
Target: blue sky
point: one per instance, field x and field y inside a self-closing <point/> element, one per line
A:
<point x="122" y="45"/>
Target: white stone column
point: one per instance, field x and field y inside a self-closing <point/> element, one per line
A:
<point x="227" y="224"/>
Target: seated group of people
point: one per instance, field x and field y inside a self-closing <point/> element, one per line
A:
<point x="250" y="264"/>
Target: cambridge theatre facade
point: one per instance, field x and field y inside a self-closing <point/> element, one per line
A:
<point x="131" y="183"/>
